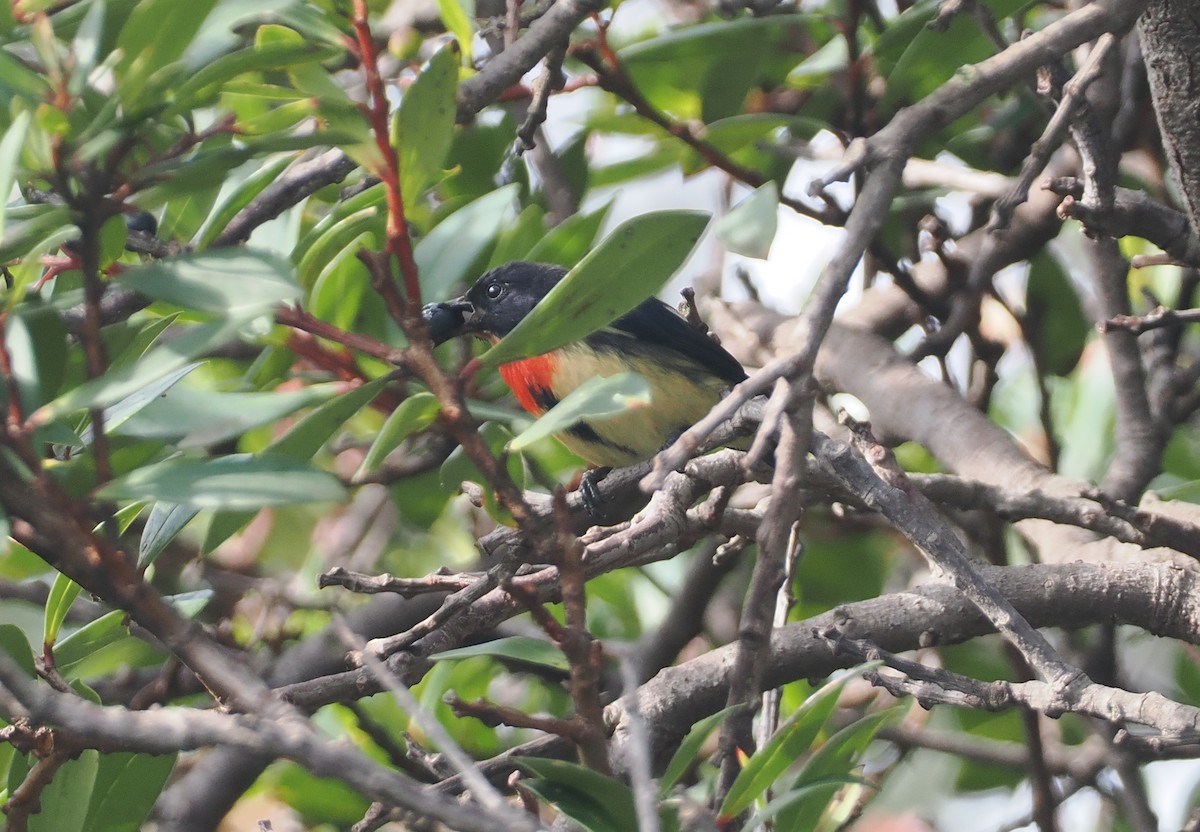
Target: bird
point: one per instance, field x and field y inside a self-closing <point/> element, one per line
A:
<point x="686" y="369"/>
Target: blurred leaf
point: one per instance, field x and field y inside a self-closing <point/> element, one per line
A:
<point x="1054" y="322"/>
<point x="521" y="237"/>
<point x="63" y="593"/>
<point x="749" y="229"/>
<point x="447" y="253"/>
<point x="10" y="154"/>
<point x="120" y="412"/>
<point x="122" y="381"/>
<point x="318" y="800"/>
<point x="828" y="769"/>
<point x="156" y="34"/>
<point x="239" y="198"/>
<point x="37" y="342"/>
<point x="321" y="247"/>
<point x="689" y="749"/>
<point x="14" y="643"/>
<point x="191" y="418"/>
<point x="631" y="264"/>
<point x="928" y="58"/>
<point x="88" y="639"/>
<point x="311" y="433"/>
<point x="203" y="87"/>
<point x="794" y="738"/>
<point x="165" y="522"/>
<point x="109" y="629"/>
<point x="815" y="796"/>
<point x="516" y="648"/>
<point x="414" y="414"/>
<point x="596" y="398"/>
<point x="458" y="17"/>
<point x="27" y="236"/>
<point x="126" y="788"/>
<point x="567" y="243"/>
<point x="425" y="122"/>
<point x="65" y="799"/>
<point x="302" y="442"/>
<point x="664" y="156"/>
<point x="238" y="481"/>
<point x="833" y="57"/>
<point x="237" y="283"/>
<point x="705" y="71"/>
<point x="594" y="801"/>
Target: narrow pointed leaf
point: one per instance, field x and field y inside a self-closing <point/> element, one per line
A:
<point x="596" y="398"/>
<point x="630" y="265"/>
<point x="240" y="481"/>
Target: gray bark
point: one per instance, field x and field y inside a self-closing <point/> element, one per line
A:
<point x="1170" y="34"/>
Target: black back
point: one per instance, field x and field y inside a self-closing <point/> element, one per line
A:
<point x="506" y="294"/>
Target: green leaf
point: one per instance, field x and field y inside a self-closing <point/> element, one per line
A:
<point x="594" y="801"/>
<point x="425" y="122"/>
<point x="446" y="254"/>
<point x="111" y="628"/>
<point x="1054" y="324"/>
<point x="65" y="799"/>
<point x="318" y="250"/>
<point x="516" y="648"/>
<point x="156" y="34"/>
<point x="203" y="87"/>
<point x="520" y="238"/>
<point x="793" y="738"/>
<point x="567" y="243"/>
<point x="38" y="349"/>
<point x="191" y="418"/>
<point x="31" y="235"/>
<point x="165" y="522"/>
<point x="125" y="380"/>
<point x="10" y="155"/>
<point x="301" y="442"/>
<point x="825" y="772"/>
<point x="237" y="283"/>
<point x="458" y="17"/>
<point x="240" y="197"/>
<point x="89" y="638"/>
<point x="706" y="71"/>
<point x="126" y="408"/>
<point x="749" y="229"/>
<point x="314" y="430"/>
<point x="928" y="58"/>
<point x="596" y="398"/>
<point x="814" y="796"/>
<point x="14" y="643"/>
<point x="414" y="414"/>
<point x="126" y="788"/>
<point x="239" y="481"/>
<point x="632" y="263"/>
<point x="62" y="595"/>
<point x="689" y="749"/>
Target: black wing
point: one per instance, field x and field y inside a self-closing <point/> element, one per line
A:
<point x="656" y="323"/>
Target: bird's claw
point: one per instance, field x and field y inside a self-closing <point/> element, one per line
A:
<point x="589" y="491"/>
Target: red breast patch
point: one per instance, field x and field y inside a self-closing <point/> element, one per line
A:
<point x="527" y="376"/>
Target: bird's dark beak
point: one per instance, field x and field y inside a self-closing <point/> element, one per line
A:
<point x="447" y="320"/>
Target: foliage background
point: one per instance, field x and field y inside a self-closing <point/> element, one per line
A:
<point x="222" y="415"/>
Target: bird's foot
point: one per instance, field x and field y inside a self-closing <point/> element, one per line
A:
<point x="589" y="491"/>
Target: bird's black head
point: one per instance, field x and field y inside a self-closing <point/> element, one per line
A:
<point x="495" y="304"/>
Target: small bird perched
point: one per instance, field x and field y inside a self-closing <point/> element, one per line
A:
<point x="686" y="369"/>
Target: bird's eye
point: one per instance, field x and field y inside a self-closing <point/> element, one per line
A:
<point x="494" y="290"/>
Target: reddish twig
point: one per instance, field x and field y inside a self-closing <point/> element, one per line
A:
<point x="398" y="243"/>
